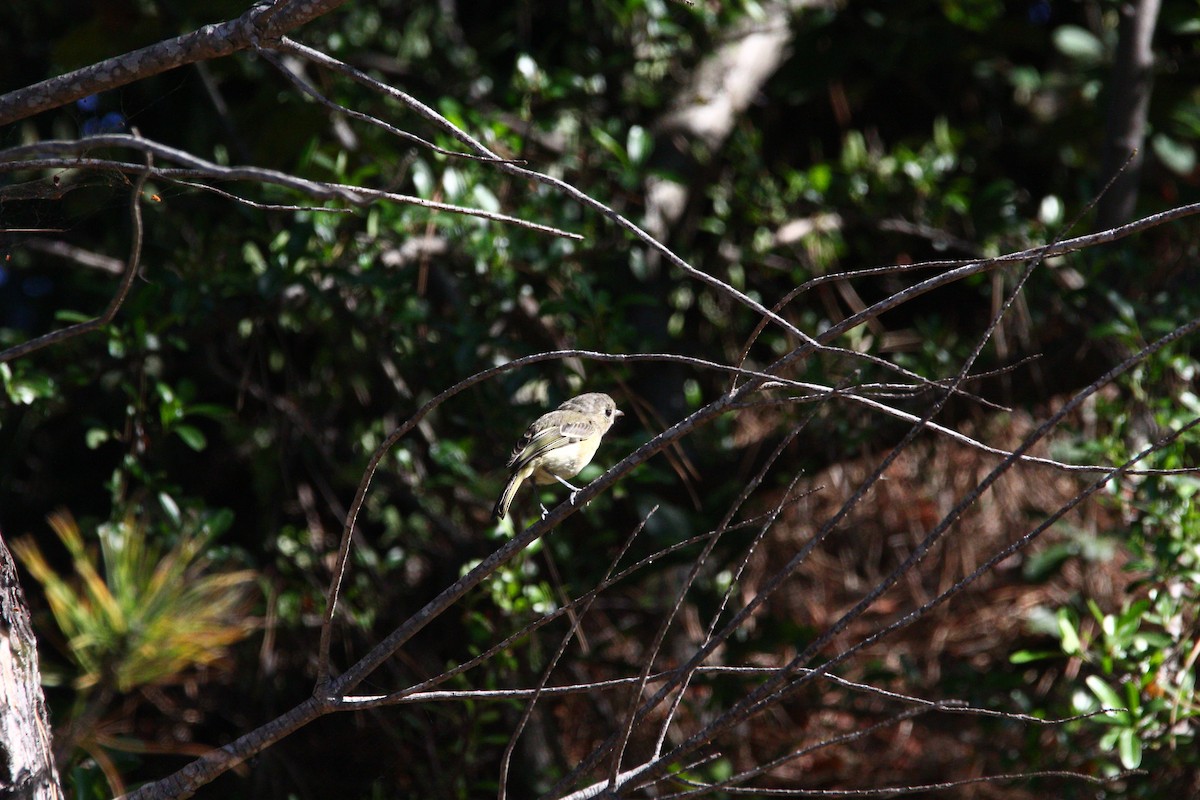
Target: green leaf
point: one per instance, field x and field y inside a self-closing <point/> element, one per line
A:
<point x="605" y="140"/>
<point x="1026" y="656"/>
<point x="1041" y="565"/>
<point x="1132" y="697"/>
<point x="1177" y="156"/>
<point x="1130" y="620"/>
<point x="1078" y="44"/>
<point x="638" y="144"/>
<point x="1106" y="694"/>
<point x="1067" y="634"/>
<point x="1129" y="746"/>
<point x="484" y="198"/>
<point x="219" y="521"/>
<point x="67" y="315"/>
<point x="95" y="437"/>
<point x="975" y="15"/>
<point x="170" y="507"/>
<point x="191" y="436"/>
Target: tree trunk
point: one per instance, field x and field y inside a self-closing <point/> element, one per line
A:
<point x="1129" y="101"/>
<point x="27" y="769"/>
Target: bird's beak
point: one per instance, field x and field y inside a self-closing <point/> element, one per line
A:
<point x="617" y="414"/>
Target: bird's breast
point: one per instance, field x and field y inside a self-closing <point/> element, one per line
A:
<point x="566" y="461"/>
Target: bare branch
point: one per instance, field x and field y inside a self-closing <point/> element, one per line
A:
<point x="899" y="791"/>
<point x="506" y="760"/>
<point x="263" y="22"/>
<point x="87" y="258"/>
<point x="131" y="271"/>
<point x="308" y="89"/>
<point x="24" y="157"/>
<point x="773" y="689"/>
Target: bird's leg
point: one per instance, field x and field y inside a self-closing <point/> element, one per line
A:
<point x="545" y="511"/>
<point x="574" y="489"/>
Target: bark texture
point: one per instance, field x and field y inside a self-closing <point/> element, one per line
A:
<point x="1129" y="103"/>
<point x="27" y="769"/>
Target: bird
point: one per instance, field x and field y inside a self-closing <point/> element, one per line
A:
<point x="558" y="445"/>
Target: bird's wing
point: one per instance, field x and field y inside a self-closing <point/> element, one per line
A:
<point x="577" y="430"/>
<point x="537" y="442"/>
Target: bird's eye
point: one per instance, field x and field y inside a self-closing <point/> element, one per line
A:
<point x="608" y="412"/>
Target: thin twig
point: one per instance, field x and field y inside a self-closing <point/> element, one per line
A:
<point x="35" y="156"/>
<point x="770" y="691"/>
<point x="307" y="88"/>
<point x="506" y="759"/>
<point x="110" y="312"/>
<point x="287" y="45"/>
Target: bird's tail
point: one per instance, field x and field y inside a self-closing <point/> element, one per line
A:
<point x="506" y="497"/>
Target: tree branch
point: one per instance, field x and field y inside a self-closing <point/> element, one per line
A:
<point x="262" y="22"/>
<point x="131" y="271"/>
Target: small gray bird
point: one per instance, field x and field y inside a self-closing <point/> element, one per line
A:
<point x="558" y="445"/>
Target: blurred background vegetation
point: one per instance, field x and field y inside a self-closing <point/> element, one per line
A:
<point x="218" y="428"/>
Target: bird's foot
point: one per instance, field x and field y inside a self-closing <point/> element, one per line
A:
<point x="575" y="490"/>
<point x="566" y="483"/>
